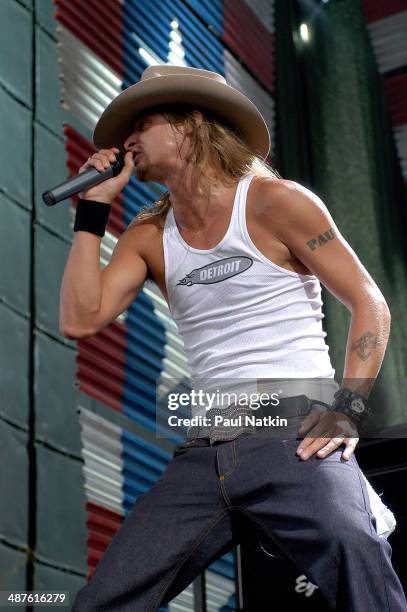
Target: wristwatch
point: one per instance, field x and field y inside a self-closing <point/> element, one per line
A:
<point x="351" y="404"/>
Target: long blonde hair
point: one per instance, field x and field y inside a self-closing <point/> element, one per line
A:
<point x="215" y="145"/>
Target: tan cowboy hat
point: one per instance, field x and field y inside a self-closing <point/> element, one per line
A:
<point x="165" y="84"/>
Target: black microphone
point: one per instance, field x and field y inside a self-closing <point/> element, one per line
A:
<point x="82" y="181"/>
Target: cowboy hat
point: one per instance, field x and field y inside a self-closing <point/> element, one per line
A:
<point x="165" y="84"/>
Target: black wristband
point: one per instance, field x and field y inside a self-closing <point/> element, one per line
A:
<point x="91" y="216"/>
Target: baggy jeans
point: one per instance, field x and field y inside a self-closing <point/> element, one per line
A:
<point x="316" y="511"/>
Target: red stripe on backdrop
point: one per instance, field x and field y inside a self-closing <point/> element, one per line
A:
<point x="102" y="525"/>
<point x="99" y="25"/>
<point x="396" y="91"/>
<point x="378" y="9"/>
<point x="244" y="33"/>
<point x="79" y="149"/>
<point x="101" y="362"/>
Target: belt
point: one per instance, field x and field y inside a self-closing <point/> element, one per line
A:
<point x="280" y="421"/>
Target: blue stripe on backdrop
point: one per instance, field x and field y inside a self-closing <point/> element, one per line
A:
<point x="224" y="566"/>
<point x="151" y="22"/>
<point x="211" y="12"/>
<point x="155" y="339"/>
<point x="137" y="195"/>
<point x="143" y="464"/>
<point x="139" y="339"/>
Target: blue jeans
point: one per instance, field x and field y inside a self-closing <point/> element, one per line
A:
<point x="315" y="511"/>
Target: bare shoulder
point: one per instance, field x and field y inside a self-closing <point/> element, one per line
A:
<point x="284" y="201"/>
<point x="274" y="192"/>
<point x="144" y="232"/>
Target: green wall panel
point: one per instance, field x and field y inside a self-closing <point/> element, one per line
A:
<point x="61" y="515"/>
<point x="13" y="485"/>
<point x="16" y="50"/>
<point x="51" y="254"/>
<point x="13" y="567"/>
<point x="14" y="254"/>
<point x="48" y="107"/>
<point x="15" y="166"/>
<point x="48" y="578"/>
<point x="27" y="3"/>
<point x="56" y="397"/>
<point x="51" y="170"/>
<point x="45" y="13"/>
<point x="14" y="365"/>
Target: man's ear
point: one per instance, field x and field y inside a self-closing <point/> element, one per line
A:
<point x="198" y="116"/>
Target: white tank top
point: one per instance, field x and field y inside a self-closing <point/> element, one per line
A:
<point x="240" y="315"/>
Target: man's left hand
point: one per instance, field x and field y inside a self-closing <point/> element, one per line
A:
<point x="325" y="431"/>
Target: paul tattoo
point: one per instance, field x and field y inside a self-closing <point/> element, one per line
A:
<point x="321" y="239"/>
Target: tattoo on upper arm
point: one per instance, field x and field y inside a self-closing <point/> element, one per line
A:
<point x="321" y="239"/>
<point x="363" y="345"/>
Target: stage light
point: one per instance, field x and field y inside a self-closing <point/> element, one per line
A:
<point x="304" y="32"/>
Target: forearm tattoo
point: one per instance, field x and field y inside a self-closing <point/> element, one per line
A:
<point x="364" y="344"/>
<point x="321" y="239"/>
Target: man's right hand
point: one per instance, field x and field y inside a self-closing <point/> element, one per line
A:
<point x="109" y="189"/>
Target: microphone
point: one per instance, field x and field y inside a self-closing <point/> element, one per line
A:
<point x="82" y="181"/>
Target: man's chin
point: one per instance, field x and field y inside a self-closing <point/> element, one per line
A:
<point x="145" y="173"/>
<point x="141" y="173"/>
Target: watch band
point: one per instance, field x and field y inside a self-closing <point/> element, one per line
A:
<point x="351" y="404"/>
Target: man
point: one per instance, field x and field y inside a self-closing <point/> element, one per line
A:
<point x="238" y="253"/>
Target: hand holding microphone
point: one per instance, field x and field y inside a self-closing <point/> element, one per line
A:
<point x="110" y="188"/>
<point x="101" y="178"/>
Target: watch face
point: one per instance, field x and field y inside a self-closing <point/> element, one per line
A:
<point x="357" y="405"/>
